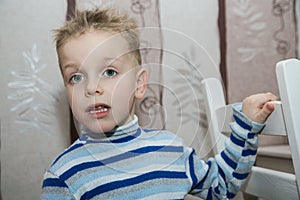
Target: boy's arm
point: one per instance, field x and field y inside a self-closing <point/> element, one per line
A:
<point x="221" y="177"/>
<point x="55" y="188"/>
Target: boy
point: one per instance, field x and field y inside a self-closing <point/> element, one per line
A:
<point x="116" y="159"/>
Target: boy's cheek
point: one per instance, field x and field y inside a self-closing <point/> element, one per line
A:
<point x="70" y="95"/>
<point x="123" y="95"/>
<point x="126" y="85"/>
<point x="73" y="95"/>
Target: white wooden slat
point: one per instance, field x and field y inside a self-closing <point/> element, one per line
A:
<point x="265" y="183"/>
<point x="275" y="124"/>
<point x="288" y="77"/>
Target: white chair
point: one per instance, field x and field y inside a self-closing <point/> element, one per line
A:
<point x="264" y="183"/>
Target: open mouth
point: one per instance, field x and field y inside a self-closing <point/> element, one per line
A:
<point x="98" y="109"/>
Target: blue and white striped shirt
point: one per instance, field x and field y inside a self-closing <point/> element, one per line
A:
<point x="134" y="163"/>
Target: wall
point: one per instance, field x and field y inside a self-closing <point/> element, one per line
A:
<point x="34" y="111"/>
<point x="190" y="53"/>
<point x="259" y="34"/>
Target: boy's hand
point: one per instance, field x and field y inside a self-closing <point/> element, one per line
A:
<point x="256" y="108"/>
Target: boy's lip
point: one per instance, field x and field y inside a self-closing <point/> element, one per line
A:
<point x="98" y="110"/>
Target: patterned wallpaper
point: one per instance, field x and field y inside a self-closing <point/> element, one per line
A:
<point x="259" y="34"/>
<point x="34" y="97"/>
<point x="34" y="111"/>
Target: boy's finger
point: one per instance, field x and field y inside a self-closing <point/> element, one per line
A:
<point x="261" y="98"/>
<point x="265" y="112"/>
<point x="270" y="107"/>
<point x="265" y="97"/>
<point x="271" y="97"/>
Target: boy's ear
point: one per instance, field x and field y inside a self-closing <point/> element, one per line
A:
<point x="142" y="79"/>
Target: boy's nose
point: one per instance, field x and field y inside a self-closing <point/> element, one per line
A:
<point x="94" y="88"/>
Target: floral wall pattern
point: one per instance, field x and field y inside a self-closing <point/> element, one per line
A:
<point x="34" y="97"/>
<point x="259" y="34"/>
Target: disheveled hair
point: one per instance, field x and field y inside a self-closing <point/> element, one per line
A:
<point x="108" y="20"/>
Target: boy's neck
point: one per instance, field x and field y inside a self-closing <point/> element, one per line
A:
<point x="117" y="131"/>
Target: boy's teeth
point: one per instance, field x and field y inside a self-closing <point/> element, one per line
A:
<point x="98" y="110"/>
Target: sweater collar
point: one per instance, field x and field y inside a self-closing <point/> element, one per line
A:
<point x="123" y="133"/>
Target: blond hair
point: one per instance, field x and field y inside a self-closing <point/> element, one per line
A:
<point x="108" y="20"/>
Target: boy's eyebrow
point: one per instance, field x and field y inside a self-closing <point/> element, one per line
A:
<point x="111" y="60"/>
<point x="107" y="60"/>
<point x="69" y="66"/>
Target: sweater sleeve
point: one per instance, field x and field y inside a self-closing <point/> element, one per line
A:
<point x="55" y="188"/>
<point x="221" y="177"/>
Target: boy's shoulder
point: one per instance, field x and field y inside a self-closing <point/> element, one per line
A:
<point x="161" y="135"/>
<point x="67" y="157"/>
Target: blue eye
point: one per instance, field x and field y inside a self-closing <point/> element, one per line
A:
<point x="110" y="73"/>
<point x="76" y="78"/>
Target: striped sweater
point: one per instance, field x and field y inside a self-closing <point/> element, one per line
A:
<point x="135" y="163"/>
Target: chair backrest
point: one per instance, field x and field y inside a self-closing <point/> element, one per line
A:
<point x="288" y="78"/>
<point x="265" y="183"/>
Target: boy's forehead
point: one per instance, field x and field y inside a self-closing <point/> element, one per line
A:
<point x="95" y="44"/>
<point x="100" y="40"/>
